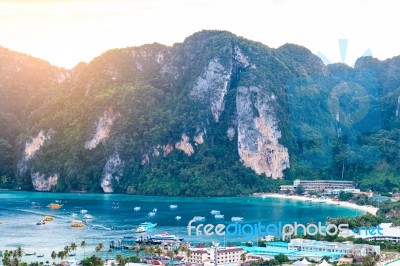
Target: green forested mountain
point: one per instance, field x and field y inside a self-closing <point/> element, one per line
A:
<point x="215" y="115"/>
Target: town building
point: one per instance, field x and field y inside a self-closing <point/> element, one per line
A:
<point x="345" y="248"/>
<point x="225" y="255"/>
<point x="319" y="185"/>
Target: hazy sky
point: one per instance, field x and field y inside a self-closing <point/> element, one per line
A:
<point x="67" y="32"/>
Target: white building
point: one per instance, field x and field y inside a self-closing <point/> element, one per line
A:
<point x="206" y="256"/>
<point x="319" y="185"/>
<point x="346" y="248"/>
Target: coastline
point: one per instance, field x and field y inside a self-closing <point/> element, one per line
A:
<point x="368" y="209"/>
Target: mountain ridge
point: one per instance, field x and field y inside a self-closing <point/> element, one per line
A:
<point x="215" y="115"/>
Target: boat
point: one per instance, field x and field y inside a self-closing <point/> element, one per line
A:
<point x="77" y="223"/>
<point x="54" y="206"/>
<point x="152" y="213"/>
<point x="48" y="218"/>
<point x="237" y="219"/>
<point x="173" y="206"/>
<point x="148" y="225"/>
<point x="155" y="210"/>
<point x="84" y="211"/>
<point x="164" y="237"/>
<point x="136" y="209"/>
<point x="72" y="255"/>
<point x="219" y="216"/>
<point x="40" y="255"/>
<point x="178" y="218"/>
<point x="199" y="219"/>
<point x="74" y="215"/>
<point x="30" y="253"/>
<point x="141" y="229"/>
<point x="214" y="212"/>
<point x="41" y="222"/>
<point x="88" y="217"/>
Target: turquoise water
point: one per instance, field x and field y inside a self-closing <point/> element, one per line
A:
<point x="114" y="217"/>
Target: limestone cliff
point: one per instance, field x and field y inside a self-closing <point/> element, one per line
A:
<point x="258" y="134"/>
<point x="103" y="128"/>
<point x="212" y="87"/>
<point x="113" y="171"/>
<point x="41" y="183"/>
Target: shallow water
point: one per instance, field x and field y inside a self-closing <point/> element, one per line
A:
<point x="114" y="217"/>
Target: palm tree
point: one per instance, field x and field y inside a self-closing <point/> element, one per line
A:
<point x="83" y="246"/>
<point x="137" y="250"/>
<point x="66" y="251"/>
<point x="19" y="252"/>
<point x="170" y="254"/>
<point x="158" y="251"/>
<point x="53" y="255"/>
<point x="243" y="257"/>
<point x="120" y="259"/>
<point x="73" y="246"/>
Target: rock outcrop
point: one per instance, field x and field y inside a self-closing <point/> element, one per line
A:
<point x="113" y="171"/>
<point x="258" y="134"/>
<point x="41" y="183"/>
<point x="103" y="128"/>
<point x="184" y="145"/>
<point x="212" y="87"/>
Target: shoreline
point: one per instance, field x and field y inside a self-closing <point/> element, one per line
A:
<point x="367" y="208"/>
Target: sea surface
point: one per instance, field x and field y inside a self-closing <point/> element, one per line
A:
<point x="114" y="218"/>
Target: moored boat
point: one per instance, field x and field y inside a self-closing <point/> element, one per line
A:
<point x="88" y="217"/>
<point x="152" y="213"/>
<point x="199" y="219"/>
<point x="77" y="223"/>
<point x="219" y="216"/>
<point x="48" y="218"/>
<point x="54" y="206"/>
<point x="237" y="219"/>
<point x="178" y="217"/>
<point x="136" y="209"/>
<point x="172" y="206"/>
<point x="214" y="212"/>
<point x="41" y="222"/>
<point x="141" y="229"/>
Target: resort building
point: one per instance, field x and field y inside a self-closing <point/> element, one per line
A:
<point x="346" y="248"/>
<point x="206" y="256"/>
<point x="319" y="185"/>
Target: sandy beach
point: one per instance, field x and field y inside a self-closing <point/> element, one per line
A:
<point x="368" y="209"/>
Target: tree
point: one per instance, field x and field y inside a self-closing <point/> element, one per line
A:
<point x="92" y="261"/>
<point x="300" y="190"/>
<point x="83" y="246"/>
<point x="243" y="257"/>
<point x="281" y="258"/>
<point x="53" y="256"/>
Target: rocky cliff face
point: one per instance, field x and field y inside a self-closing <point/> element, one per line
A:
<point x="112" y="172"/>
<point x="258" y="134"/>
<point x="103" y="128"/>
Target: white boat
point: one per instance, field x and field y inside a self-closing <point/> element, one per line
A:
<point x="136" y="209"/>
<point x="199" y="219"/>
<point x="237" y="219"/>
<point x="152" y="213"/>
<point x="88" y="217"/>
<point x="155" y="210"/>
<point x="83" y="211"/>
<point x="178" y="218"/>
<point x="74" y="215"/>
<point x="173" y="206"/>
<point x="141" y="229"/>
<point x="165" y="237"/>
<point x="219" y="216"/>
<point x="214" y="212"/>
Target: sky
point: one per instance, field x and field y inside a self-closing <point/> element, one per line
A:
<point x="67" y="32"/>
